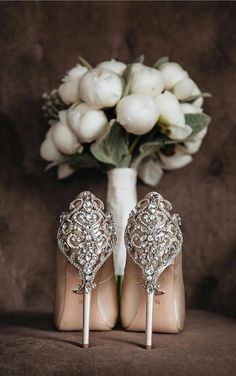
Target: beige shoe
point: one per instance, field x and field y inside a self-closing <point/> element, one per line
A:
<point x="86" y="296"/>
<point x="154" y="260"/>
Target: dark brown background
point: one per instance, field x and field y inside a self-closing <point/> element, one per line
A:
<point x="39" y="42"/>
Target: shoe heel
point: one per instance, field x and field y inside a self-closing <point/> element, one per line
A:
<point x="86" y="237"/>
<point x="86" y="318"/>
<point x="153" y="239"/>
<point x="149" y="317"/>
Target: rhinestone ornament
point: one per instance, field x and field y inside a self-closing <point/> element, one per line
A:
<point x="153" y="238"/>
<point x="86" y="236"/>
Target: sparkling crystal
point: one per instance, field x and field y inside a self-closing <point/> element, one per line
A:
<point x="83" y="226"/>
<point x="153" y="237"/>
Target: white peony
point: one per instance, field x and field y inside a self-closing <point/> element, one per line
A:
<point x="49" y="151"/>
<point x="178" y="160"/>
<point x="136" y="67"/>
<point x="114" y="65"/>
<point x="194" y="142"/>
<point x="137" y="113"/>
<point x="100" y="88"/>
<point x="183" y="89"/>
<point x="196" y="91"/>
<point x="69" y="89"/>
<point x="188" y="108"/>
<point x="63" y="137"/>
<point x="200" y="135"/>
<point x="171" y="118"/>
<point x="172" y="73"/>
<point x="88" y="124"/>
<point x="148" y="81"/>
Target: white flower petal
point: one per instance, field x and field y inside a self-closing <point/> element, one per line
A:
<point x="179" y="133"/>
<point x="64" y="139"/>
<point x="188" y="108"/>
<point x="49" y="151"/>
<point x="200" y="135"/>
<point x="170" y="110"/>
<point x="183" y="89"/>
<point x="192" y="147"/>
<point x="88" y="124"/>
<point x="150" y="172"/>
<point x="69" y="89"/>
<point x="100" y="88"/>
<point x="172" y="73"/>
<point x="114" y="65"/>
<point x="147" y="81"/>
<point x="137" y="113"/>
<point x="196" y="91"/>
<point x="136" y="67"/>
<point x="175" y="161"/>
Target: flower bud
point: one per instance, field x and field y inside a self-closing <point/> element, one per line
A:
<point x="147" y="81"/>
<point x="69" y="89"/>
<point x="100" y="88"/>
<point x="49" y="151"/>
<point x="192" y="147"/>
<point x="184" y="88"/>
<point x="171" y="118"/>
<point x="188" y="108"/>
<point x="196" y="91"/>
<point x="86" y="123"/>
<point x="172" y="73"/>
<point x="137" y="113"/>
<point x="114" y="65"/>
<point x="200" y="135"/>
<point x="136" y="67"/>
<point x="178" y="160"/>
<point x="63" y="137"/>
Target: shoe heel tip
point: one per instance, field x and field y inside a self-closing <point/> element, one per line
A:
<point x="148" y="347"/>
<point x="85" y="345"/>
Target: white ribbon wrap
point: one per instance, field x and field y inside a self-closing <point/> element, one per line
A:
<point x="121" y="199"/>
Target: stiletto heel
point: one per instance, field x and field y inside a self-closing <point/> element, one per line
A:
<point x="86" y="237"/>
<point x="86" y="318"/>
<point x="153" y="240"/>
<point x="149" y="315"/>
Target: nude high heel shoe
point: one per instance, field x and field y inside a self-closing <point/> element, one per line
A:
<point x="154" y="261"/>
<point x="86" y="296"/>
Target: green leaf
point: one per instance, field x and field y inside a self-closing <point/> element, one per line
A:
<point x="128" y="74"/>
<point x="140" y="59"/>
<point x="127" y="79"/>
<point x="151" y="145"/>
<point x="83" y="160"/>
<point x="145" y="150"/>
<point x="197" y="121"/>
<point x="85" y="63"/>
<point x="150" y="148"/>
<point x="112" y="147"/>
<point x="160" y="61"/>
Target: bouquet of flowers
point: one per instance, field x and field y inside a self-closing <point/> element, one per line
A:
<point x="128" y="120"/>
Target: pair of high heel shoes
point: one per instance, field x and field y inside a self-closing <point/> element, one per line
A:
<point x="153" y="290"/>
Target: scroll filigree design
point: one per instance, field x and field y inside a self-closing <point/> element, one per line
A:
<point x="86" y="236"/>
<point x="153" y="238"/>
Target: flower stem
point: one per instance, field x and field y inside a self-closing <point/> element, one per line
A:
<point x="134" y="143"/>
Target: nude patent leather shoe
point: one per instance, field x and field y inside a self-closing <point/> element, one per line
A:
<point x="154" y="261"/>
<point x="86" y="296"/>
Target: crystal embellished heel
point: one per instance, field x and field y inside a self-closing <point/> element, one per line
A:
<point x="153" y="240"/>
<point x="86" y="237"/>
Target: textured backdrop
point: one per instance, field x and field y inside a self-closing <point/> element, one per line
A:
<point x="39" y="42"/>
